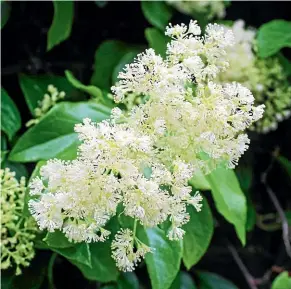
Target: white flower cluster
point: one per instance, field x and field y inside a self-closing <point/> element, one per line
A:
<point x="123" y="250"/>
<point x="208" y="8"/>
<point x="264" y="77"/>
<point x="143" y="160"/>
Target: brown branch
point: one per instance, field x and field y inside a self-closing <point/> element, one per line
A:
<point x="274" y="199"/>
<point x="249" y="278"/>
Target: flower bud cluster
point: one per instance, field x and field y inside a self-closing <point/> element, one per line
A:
<point x="48" y="101"/>
<point x="17" y="232"/>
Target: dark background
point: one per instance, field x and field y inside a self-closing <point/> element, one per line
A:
<point x="24" y="51"/>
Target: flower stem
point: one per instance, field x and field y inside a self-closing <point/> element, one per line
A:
<point x="134" y="231"/>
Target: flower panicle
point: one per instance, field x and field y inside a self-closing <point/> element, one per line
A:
<point x="142" y="160"/>
<point x="17" y="231"/>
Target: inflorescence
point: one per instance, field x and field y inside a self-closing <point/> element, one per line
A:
<point x="48" y="101"/>
<point x="17" y="231"/>
<point x="142" y="160"/>
<point x="264" y="77"/>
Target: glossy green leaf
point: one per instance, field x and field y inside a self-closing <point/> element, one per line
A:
<point x="79" y="253"/>
<point x="283" y="281"/>
<point x="164" y="263"/>
<point x="245" y="177"/>
<point x="286" y="64"/>
<point x="4" y="149"/>
<point x="199" y="231"/>
<point x="90" y="89"/>
<point x="54" y="135"/>
<point x="213" y="281"/>
<point x="62" y="23"/>
<point x="157" y="13"/>
<point x="103" y="267"/>
<point x="5" y="12"/>
<point x="273" y="36"/>
<point x="34" y="87"/>
<point x="107" y="56"/>
<point x="127" y="280"/>
<point x="286" y="164"/>
<point x="199" y="182"/>
<point x="10" y="117"/>
<point x="183" y="281"/>
<point x="3" y="141"/>
<point x="157" y="40"/>
<point x="57" y="239"/>
<point x="229" y="199"/>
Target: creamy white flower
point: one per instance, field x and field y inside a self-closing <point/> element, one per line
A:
<point x="175" y="234"/>
<point x="160" y="126"/>
<point x="143" y="163"/>
<point x="123" y="250"/>
<point x="196" y="201"/>
<point x="47" y="212"/>
<point x="36" y="186"/>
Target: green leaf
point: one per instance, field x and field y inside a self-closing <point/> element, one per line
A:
<point x="214" y="281"/>
<point x="229" y="199"/>
<point x="283" y="281"/>
<point x="54" y="136"/>
<point x="199" y="231"/>
<point x="10" y="117"/>
<point x="286" y="164"/>
<point x="4" y="149"/>
<point x="107" y="56"/>
<point x="57" y="239"/>
<point x="286" y="64"/>
<point x="199" y="182"/>
<point x="62" y="23"/>
<point x="245" y="177"/>
<point x="127" y="280"/>
<point x="183" y="281"/>
<point x="78" y="253"/>
<point x="103" y="267"/>
<point x="5" y="12"/>
<point x="157" y="13"/>
<point x="90" y="89"/>
<point x="273" y="36"/>
<point x="157" y="40"/>
<point x="3" y="140"/>
<point x="34" y="87"/>
<point x="164" y="263"/>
